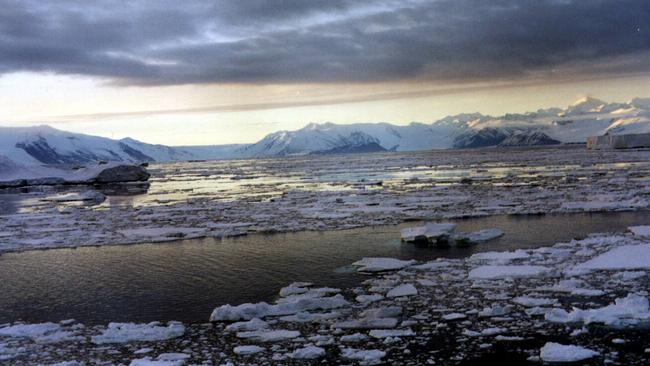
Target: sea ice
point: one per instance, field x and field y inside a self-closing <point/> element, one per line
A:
<point x="479" y="236"/>
<point x="381" y="264"/>
<point x="427" y="232"/>
<point x="623" y="257"/>
<point x="248" y="350"/>
<point x="307" y="353"/>
<point x="385" y="333"/>
<point x="555" y="352"/>
<point x="629" y="310"/>
<point x="642" y="231"/>
<point x="269" y="335"/>
<point x="402" y="290"/>
<point x="262" y="309"/>
<point x="500" y="257"/>
<point x="498" y="272"/>
<point x="364" y="357"/>
<point x="131" y="332"/>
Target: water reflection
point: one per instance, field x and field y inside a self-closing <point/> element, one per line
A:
<point x="186" y="280"/>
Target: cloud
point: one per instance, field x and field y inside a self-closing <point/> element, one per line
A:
<point x="287" y="41"/>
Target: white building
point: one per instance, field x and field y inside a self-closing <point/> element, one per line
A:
<point x="629" y="141"/>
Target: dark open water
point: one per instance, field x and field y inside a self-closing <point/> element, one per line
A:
<point x="185" y="280"/>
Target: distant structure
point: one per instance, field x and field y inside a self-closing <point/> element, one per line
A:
<point x="629" y="141"/>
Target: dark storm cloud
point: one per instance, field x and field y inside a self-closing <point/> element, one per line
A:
<point x="169" y="42"/>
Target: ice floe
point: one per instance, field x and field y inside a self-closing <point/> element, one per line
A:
<point x="131" y="332"/>
<point x="556" y="352"/>
<point x="503" y="271"/>
<point x="381" y="264"/>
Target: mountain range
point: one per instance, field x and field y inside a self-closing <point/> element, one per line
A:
<point x="587" y="117"/>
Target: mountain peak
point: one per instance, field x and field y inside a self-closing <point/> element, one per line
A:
<point x="585" y="105"/>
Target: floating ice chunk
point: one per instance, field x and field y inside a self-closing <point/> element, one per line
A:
<point x="309" y="317"/>
<point x="253" y="324"/>
<point x="163" y="233"/>
<point x="497" y="272"/>
<point x="533" y="302"/>
<point x="425" y="282"/>
<point x="479" y="236"/>
<point x="427" y="232"/>
<point x="381" y="264"/>
<point x="485" y="332"/>
<point x="77" y="196"/>
<point x="40" y="333"/>
<point x="383" y="312"/>
<point x="496" y="310"/>
<point x="611" y="203"/>
<point x="364" y="357"/>
<point x="385" y="333"/>
<point x="454" y="316"/>
<point x="432" y="265"/>
<point x="503" y="338"/>
<point x="354" y="338"/>
<point x="269" y="335"/>
<point x="307" y="353"/>
<point x="624" y="257"/>
<point x="629" y="275"/>
<point x="555" y="352"/>
<point x="369" y="298"/>
<point x="260" y="310"/>
<point x="402" y="290"/>
<point x="248" y="350"/>
<point x="165" y="359"/>
<point x="130" y="332"/>
<point x="499" y="257"/>
<point x="147" y="361"/>
<point x="295" y="288"/>
<point x="7" y="353"/>
<point x="373" y="318"/>
<point x="365" y="323"/>
<point x="309" y="294"/>
<point x="629" y="310"/>
<point x="587" y="292"/>
<point x="642" y="231"/>
<point x="29" y="330"/>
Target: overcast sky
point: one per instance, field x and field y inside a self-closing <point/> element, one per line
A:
<point x="196" y="72"/>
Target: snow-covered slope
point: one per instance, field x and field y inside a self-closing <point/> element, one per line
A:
<point x="584" y="118"/>
<point x="47" y="145"/>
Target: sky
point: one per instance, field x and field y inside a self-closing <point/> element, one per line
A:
<point x="231" y="71"/>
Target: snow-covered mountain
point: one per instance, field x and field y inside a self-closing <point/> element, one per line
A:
<point x="47" y="145"/>
<point x="584" y="118"/>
